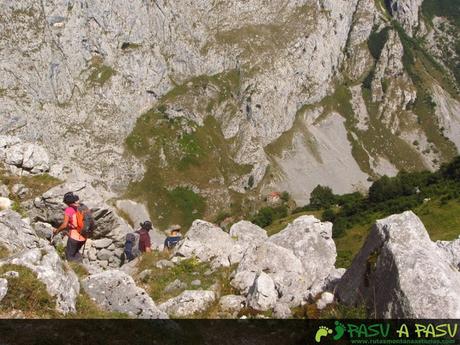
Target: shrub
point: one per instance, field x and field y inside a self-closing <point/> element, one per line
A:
<point x="322" y="197"/>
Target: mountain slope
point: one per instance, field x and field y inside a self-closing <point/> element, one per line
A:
<point x="208" y="104"/>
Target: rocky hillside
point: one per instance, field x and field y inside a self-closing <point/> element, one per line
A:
<point x="215" y="102"/>
<point x="212" y="273"/>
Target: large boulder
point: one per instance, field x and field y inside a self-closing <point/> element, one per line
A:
<point x="311" y="241"/>
<point x="246" y="235"/>
<point x="116" y="291"/>
<point x="232" y="303"/>
<point x="15" y="234"/>
<point x="401" y="273"/>
<point x="50" y="208"/>
<point x="283" y="267"/>
<point x="189" y="302"/>
<point x="61" y="282"/>
<point x="262" y="296"/>
<point x="208" y="243"/>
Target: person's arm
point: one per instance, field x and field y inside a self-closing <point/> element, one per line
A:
<point x="63" y="226"/>
<point x="148" y="244"/>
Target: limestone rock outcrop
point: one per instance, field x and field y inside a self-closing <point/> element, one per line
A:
<point x="401" y="273"/>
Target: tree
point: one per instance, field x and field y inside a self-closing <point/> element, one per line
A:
<point x="322" y="197"/>
<point x="285" y="196"/>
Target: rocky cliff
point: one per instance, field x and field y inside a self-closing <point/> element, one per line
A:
<point x="211" y="100"/>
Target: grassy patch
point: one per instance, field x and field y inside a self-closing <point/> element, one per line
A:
<point x="180" y="154"/>
<point x="99" y="72"/>
<point x="37" y="184"/>
<point x="422" y="69"/>
<point x="4" y="252"/>
<point x="441" y="219"/>
<point x="340" y="311"/>
<point x="186" y="271"/>
<point x="27" y="293"/>
<point x="79" y="269"/>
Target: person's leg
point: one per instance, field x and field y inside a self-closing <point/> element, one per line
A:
<point x="71" y="252"/>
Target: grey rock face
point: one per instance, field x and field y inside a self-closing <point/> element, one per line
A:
<point x="28" y="158"/>
<point x="114" y="290"/>
<point x="311" y="241"/>
<point x="282" y="311"/>
<point x="3" y="288"/>
<point x="145" y="274"/>
<point x="136" y="212"/>
<point x="451" y="250"/>
<point x="61" y="282"/>
<point x="102" y="243"/>
<point x="104" y="254"/>
<point x="232" y="303"/>
<point x="164" y="264"/>
<point x="401" y="273"/>
<point x="283" y="267"/>
<point x="246" y="234"/>
<point x="49" y="208"/>
<point x="175" y="285"/>
<point x="19" y="190"/>
<point x="188" y="303"/>
<point x="262" y="296"/>
<point x="407" y="13"/>
<point x="43" y="230"/>
<point x="4" y="191"/>
<point x="15" y="234"/>
<point x="208" y="243"/>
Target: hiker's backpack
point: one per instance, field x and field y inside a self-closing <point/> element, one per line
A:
<point x="171" y="241"/>
<point x="132" y="245"/>
<point x="85" y="221"/>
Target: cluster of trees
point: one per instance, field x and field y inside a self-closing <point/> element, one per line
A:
<point x="266" y="215"/>
<point x="386" y="196"/>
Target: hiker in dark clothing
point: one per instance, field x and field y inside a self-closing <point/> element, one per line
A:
<point x="75" y="240"/>
<point x="137" y="242"/>
<point x="144" y="237"/>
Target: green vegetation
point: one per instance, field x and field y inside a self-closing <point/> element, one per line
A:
<point x="99" y="72"/>
<point x="422" y="69"/>
<point x="266" y="215"/>
<point x="377" y="41"/>
<point x="4" y="252"/>
<point x="182" y="158"/>
<point x="340" y="311"/>
<point x="186" y="271"/>
<point x="442" y="8"/>
<point x="37" y="184"/>
<point x="27" y="293"/>
<point x="435" y="197"/>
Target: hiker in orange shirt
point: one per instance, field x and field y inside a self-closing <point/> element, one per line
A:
<point x="75" y="240"/>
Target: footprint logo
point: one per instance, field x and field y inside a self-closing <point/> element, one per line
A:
<point x="322" y="332"/>
<point x="339" y="330"/>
